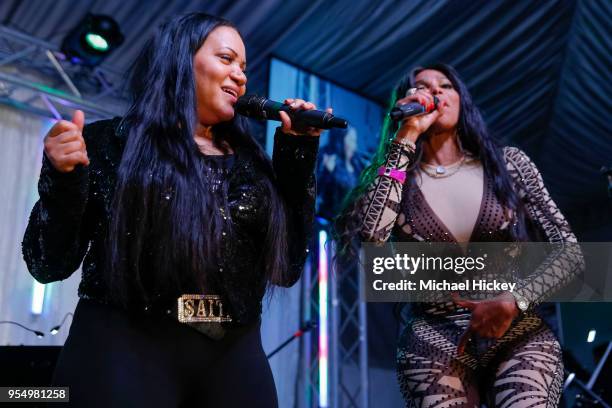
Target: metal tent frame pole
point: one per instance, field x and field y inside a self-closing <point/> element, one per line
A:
<point x="36" y="77"/>
<point x="347" y="356"/>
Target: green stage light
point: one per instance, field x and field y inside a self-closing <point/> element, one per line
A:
<point x="92" y="39"/>
<point x="97" y="42"/>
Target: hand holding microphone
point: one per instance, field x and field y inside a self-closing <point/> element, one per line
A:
<point x="64" y="144"/>
<point x="294" y="127"/>
<point x="297" y="115"/>
<point x="417" y="111"/>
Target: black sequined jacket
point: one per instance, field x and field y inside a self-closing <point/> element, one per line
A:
<point x="70" y="219"/>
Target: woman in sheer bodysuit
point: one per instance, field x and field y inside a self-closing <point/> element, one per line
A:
<point x="458" y="186"/>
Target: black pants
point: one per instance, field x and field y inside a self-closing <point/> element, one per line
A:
<point x="112" y="359"/>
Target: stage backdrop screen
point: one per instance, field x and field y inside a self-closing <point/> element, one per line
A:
<point x="343" y="154"/>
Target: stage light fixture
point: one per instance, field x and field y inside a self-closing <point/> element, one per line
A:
<point x="97" y="42"/>
<point x="92" y="40"/>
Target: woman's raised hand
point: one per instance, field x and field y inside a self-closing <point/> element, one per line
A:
<point x="64" y="144"/>
<point x="414" y="126"/>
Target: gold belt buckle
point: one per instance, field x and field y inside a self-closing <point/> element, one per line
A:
<point x="202" y="309"/>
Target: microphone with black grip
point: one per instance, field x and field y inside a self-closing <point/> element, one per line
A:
<point x="412" y="109"/>
<point x="258" y="107"/>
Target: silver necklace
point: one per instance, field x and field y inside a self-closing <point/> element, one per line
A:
<point x="440" y="171"/>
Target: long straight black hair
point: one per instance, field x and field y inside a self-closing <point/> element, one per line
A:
<point x="167" y="227"/>
<point x="473" y="136"/>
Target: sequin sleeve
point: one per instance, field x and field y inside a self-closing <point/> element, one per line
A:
<point x="380" y="205"/>
<point x="294" y="162"/>
<point x="55" y="243"/>
<point x="565" y="261"/>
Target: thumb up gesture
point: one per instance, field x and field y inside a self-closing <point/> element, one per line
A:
<point x="64" y="144"/>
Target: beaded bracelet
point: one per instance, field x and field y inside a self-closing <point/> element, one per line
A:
<point x="405" y="143"/>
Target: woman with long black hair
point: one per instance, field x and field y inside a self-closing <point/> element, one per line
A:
<point x="439" y="177"/>
<point x="183" y="223"/>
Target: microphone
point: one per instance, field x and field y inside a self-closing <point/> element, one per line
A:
<point x="412" y="109"/>
<point x="258" y="107"/>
